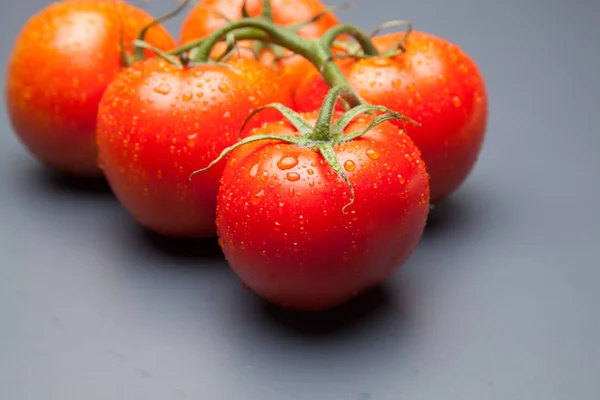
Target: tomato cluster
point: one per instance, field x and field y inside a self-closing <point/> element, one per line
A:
<point x="312" y="151"/>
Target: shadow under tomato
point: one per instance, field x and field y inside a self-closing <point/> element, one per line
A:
<point x="54" y="181"/>
<point x="375" y="303"/>
<point x="181" y="248"/>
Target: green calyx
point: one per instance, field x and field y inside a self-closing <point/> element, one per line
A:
<point x="325" y="134"/>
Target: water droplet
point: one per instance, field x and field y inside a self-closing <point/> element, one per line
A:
<point x="226" y="115"/>
<point x="310" y="171"/>
<point x="187" y="96"/>
<point x="257" y="198"/>
<point x="463" y="68"/>
<point x="422" y="200"/>
<point x="442" y="79"/>
<point x="401" y="179"/>
<point x="199" y="94"/>
<point x="456" y="101"/>
<point x="159" y="174"/>
<point x="163" y="88"/>
<point x="396" y="83"/>
<point x="372" y="154"/>
<point x="253" y="170"/>
<point x="192" y="139"/>
<point x="349" y="165"/>
<point x="287" y="163"/>
<point x="277" y="226"/>
<point x="292" y="176"/>
<point x="223" y="88"/>
<point x="291" y="192"/>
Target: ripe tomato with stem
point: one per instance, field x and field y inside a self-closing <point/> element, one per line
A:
<point x="317" y="208"/>
<point x="311" y="17"/>
<point x="434" y="82"/>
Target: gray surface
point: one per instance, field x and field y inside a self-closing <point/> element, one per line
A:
<point x="499" y="302"/>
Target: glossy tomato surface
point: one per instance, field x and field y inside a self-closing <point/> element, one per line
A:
<point x="158" y="123"/>
<point x="281" y="224"/>
<point x="435" y="83"/>
<point x="62" y="61"/>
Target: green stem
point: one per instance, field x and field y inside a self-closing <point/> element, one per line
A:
<point x="361" y="37"/>
<point x="322" y="130"/>
<point x="318" y="52"/>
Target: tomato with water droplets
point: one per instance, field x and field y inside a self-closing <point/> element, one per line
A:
<point x="283" y="225"/>
<point x="435" y="83"/>
<point x="62" y="61"/>
<point x="158" y="123"/>
<point x="209" y="15"/>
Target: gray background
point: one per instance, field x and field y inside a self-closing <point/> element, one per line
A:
<point x="500" y="301"/>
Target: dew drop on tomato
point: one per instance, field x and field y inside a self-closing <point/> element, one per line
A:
<point x="372" y="154"/>
<point x="349" y="165"/>
<point x="292" y="176"/>
<point x="223" y="88"/>
<point x="187" y="96"/>
<point x="253" y="170"/>
<point x="163" y="88"/>
<point x="258" y="197"/>
<point x="287" y="163"/>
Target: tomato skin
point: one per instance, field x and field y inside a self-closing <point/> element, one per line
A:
<point x="281" y="226"/>
<point x="204" y="19"/>
<point x="61" y="63"/>
<point x="158" y="123"/>
<point x="436" y="84"/>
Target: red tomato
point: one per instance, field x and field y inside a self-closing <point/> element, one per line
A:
<point x="280" y="221"/>
<point x="157" y="123"/>
<point x="62" y="61"/>
<point x="207" y="16"/>
<point x="433" y="82"/>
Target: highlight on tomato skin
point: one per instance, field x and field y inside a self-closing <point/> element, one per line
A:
<point x="281" y="225"/>
<point x="435" y="83"/>
<point x="62" y="60"/>
<point x="157" y="123"/>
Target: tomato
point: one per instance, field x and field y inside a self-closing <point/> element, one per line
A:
<point x="62" y="61"/>
<point x="157" y="123"/>
<point x="433" y="82"/>
<point x="281" y="222"/>
<point x="207" y="16"/>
